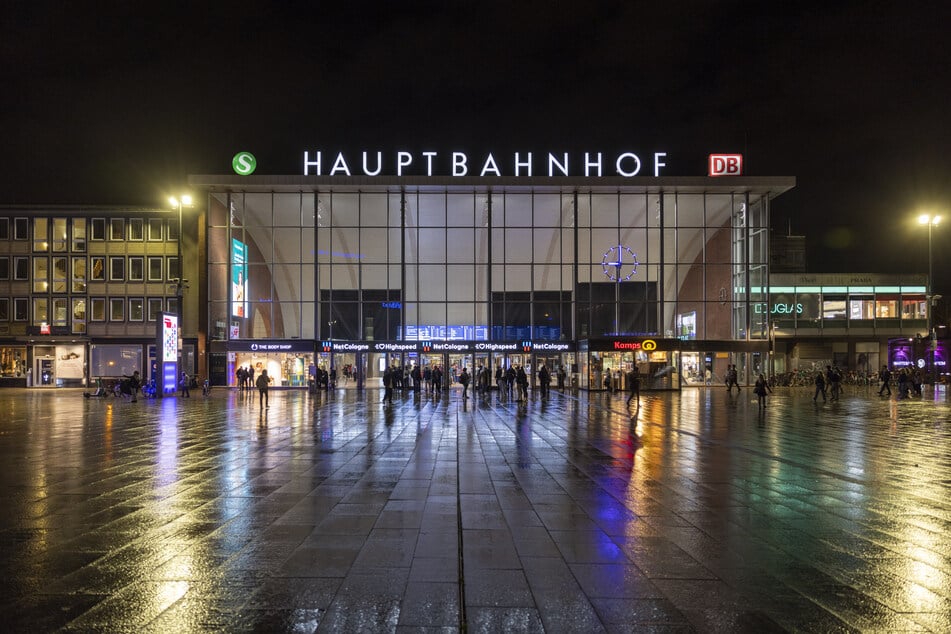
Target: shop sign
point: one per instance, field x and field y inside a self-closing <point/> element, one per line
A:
<point x="447" y="346"/>
<point x="382" y="346"/>
<point x="553" y="346"/>
<point x="458" y="164"/>
<point x="497" y="347"/>
<point x="647" y="345"/>
<point x="272" y="346"/>
<point x="337" y="346"/>
<point x="725" y="165"/>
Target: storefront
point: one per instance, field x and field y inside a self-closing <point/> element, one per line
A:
<point x="288" y="363"/>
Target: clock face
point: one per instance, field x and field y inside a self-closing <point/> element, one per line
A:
<point x="619" y="263"/>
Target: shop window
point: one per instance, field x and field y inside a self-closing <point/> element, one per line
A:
<point x="79" y="235"/>
<point x="136" y="229"/>
<point x="21" y="268"/>
<point x="136" y="269"/>
<point x="4" y="228"/>
<point x="861" y="308"/>
<point x="97" y="309"/>
<point x="915" y="308"/>
<point x="156" y="268"/>
<point x="98" y="229"/>
<point x="59" y="235"/>
<point x="155" y="229"/>
<point x="60" y="274"/>
<point x="12" y="361"/>
<point x="40" y="311"/>
<point x="136" y="309"/>
<point x="117" y="229"/>
<point x="886" y="308"/>
<point x="41" y="238"/>
<point x="98" y="266"/>
<point x="116" y="269"/>
<point x="21" y="229"/>
<point x="833" y="308"/>
<point x="4" y="268"/>
<point x="155" y="307"/>
<point x="40" y="274"/>
<point x="21" y="308"/>
<point x="79" y="275"/>
<point x="116" y="309"/>
<point x="4" y="309"/>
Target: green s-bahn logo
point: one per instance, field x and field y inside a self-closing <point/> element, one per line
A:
<point x="244" y="163"/>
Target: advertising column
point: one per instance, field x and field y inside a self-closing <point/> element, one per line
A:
<point x="166" y="342"/>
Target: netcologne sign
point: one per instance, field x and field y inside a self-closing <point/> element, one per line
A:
<point x="520" y="164"/>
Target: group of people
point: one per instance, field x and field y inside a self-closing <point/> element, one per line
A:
<point x="245" y="377"/>
<point x="830" y="380"/>
<point x="400" y="378"/>
<point x="909" y="382"/>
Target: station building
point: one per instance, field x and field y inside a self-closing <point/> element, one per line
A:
<point x="593" y="275"/>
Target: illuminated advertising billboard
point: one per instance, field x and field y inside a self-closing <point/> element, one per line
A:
<point x="169" y="337"/>
<point x="239" y="278"/>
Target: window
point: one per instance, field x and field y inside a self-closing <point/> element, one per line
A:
<point x="59" y="235"/>
<point x="4" y="309"/>
<point x="116" y="269"/>
<point x="98" y="273"/>
<point x="4" y="228"/>
<point x="79" y="315"/>
<point x="861" y="308"/>
<point x="172" y="305"/>
<point x="40" y="311"/>
<point x="136" y="229"/>
<point x="97" y="309"/>
<point x="156" y="266"/>
<point x="155" y="229"/>
<point x="117" y="229"/>
<point x="136" y="309"/>
<point x="173" y="273"/>
<point x="136" y="269"/>
<point x="79" y="235"/>
<point x="4" y="268"/>
<point x="116" y="309"/>
<point x="21" y="307"/>
<point x="60" y="311"/>
<point x="914" y="308"/>
<point x="21" y="229"/>
<point x="172" y="231"/>
<point x="21" y="268"/>
<point x="833" y="308"/>
<point x="41" y="274"/>
<point x="886" y="307"/>
<point x="59" y="274"/>
<point x="41" y="238"/>
<point x="155" y="307"/>
<point x="79" y="275"/>
<point x="98" y="229"/>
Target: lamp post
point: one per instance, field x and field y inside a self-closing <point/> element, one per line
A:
<point x="177" y="202"/>
<point x="932" y="221"/>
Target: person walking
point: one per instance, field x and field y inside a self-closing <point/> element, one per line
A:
<point x="388" y="384"/>
<point x="820" y="387"/>
<point x="262" y="383"/>
<point x="521" y="379"/>
<point x="183" y="385"/>
<point x="760" y="388"/>
<point x="250" y="378"/>
<point x="464" y="381"/>
<point x="633" y="385"/>
<point x="886" y="378"/>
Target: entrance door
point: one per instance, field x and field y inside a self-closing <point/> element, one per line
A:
<point x="44" y="373"/>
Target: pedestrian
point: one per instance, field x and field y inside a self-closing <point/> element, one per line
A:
<point x="521" y="379"/>
<point x="249" y="375"/>
<point x="388" y="384"/>
<point x="130" y="386"/>
<point x="633" y="384"/>
<point x="886" y="378"/>
<point x="183" y="385"/>
<point x="464" y="380"/>
<point x="510" y="376"/>
<point x="760" y="388"/>
<point x="417" y="377"/>
<point x="428" y="378"/>
<point x="544" y="380"/>
<point x="262" y="383"/>
<point x="820" y="387"/>
<point x="241" y="377"/>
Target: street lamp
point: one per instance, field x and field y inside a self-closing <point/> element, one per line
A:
<point x="177" y="202"/>
<point x="932" y="221"/>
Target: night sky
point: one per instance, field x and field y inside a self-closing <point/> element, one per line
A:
<point x="108" y="103"/>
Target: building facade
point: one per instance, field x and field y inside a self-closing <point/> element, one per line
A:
<point x="81" y="289"/>
<point x="592" y="275"/>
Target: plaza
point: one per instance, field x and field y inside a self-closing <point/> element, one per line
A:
<point x="689" y="511"/>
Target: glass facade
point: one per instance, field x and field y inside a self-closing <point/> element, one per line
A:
<point x="443" y="262"/>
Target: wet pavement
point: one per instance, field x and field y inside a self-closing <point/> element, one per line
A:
<point x="701" y="512"/>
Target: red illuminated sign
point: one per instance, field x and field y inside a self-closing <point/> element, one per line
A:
<point x="725" y="165"/>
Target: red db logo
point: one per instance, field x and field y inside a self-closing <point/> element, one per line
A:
<point x="726" y="165"/>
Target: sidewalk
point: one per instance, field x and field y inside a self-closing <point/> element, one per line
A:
<point x="696" y="511"/>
